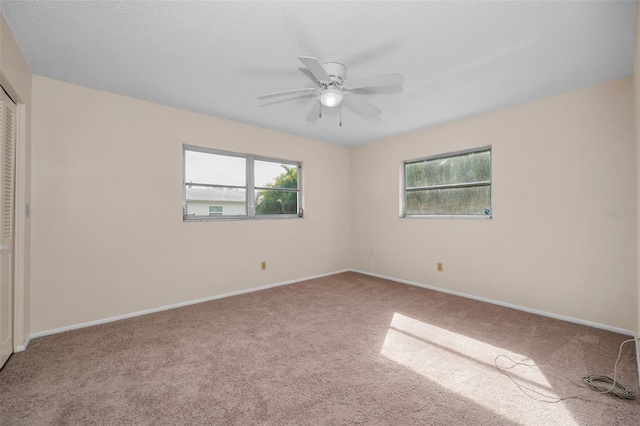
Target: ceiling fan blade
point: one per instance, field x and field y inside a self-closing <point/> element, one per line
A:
<point x="375" y="81"/>
<point x="286" y="92"/>
<point x="364" y="109"/>
<point x="315" y="67"/>
<point x="314" y="112"/>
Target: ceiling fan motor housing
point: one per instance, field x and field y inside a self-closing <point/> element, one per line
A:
<point x="337" y="72"/>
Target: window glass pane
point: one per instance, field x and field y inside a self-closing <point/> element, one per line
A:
<point x="450" y="201"/>
<point x="204" y="167"/>
<point x="471" y="167"/>
<point x="276" y="202"/>
<point x="216" y="185"/>
<point x="227" y="201"/>
<point x="216" y="210"/>
<point x="272" y="174"/>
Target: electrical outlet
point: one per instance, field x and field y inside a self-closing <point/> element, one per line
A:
<point x="440" y="269"/>
<point x="263" y="265"/>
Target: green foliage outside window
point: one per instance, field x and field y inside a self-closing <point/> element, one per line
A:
<point x="453" y="185"/>
<point x="279" y="200"/>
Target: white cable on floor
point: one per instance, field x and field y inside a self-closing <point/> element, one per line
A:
<point x="595" y="381"/>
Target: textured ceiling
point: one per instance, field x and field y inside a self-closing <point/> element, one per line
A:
<point x="458" y="58"/>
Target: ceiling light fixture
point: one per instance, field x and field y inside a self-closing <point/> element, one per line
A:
<point x="331" y="97"/>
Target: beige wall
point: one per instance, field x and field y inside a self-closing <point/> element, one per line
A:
<point x="102" y="162"/>
<point x="557" y="165"/>
<point x="15" y="76"/>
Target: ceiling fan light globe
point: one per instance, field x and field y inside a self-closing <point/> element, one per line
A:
<point x="331" y="97"/>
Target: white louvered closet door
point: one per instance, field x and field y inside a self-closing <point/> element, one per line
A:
<point x="7" y="185"/>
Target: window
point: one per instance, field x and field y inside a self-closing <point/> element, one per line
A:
<point x="276" y="186"/>
<point x="219" y="184"/>
<point x="455" y="185"/>
<point x="215" y="210"/>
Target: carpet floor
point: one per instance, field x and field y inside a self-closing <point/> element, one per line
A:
<point x="339" y="350"/>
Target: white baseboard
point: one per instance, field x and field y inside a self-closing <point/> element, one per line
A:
<point x="24" y="345"/>
<point x="250" y="290"/>
<point x="167" y="307"/>
<point x="506" y="305"/>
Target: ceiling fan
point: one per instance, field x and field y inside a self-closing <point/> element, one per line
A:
<point x="333" y="85"/>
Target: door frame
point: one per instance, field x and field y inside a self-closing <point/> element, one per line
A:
<point x="21" y="246"/>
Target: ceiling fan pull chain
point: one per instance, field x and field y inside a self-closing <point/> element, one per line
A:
<point x="320" y="116"/>
<point x="340" y="114"/>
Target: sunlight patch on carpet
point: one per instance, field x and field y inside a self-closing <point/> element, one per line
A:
<point x="465" y="366"/>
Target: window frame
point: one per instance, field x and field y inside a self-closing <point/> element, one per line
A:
<point x="488" y="183"/>
<point x="250" y="187"/>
